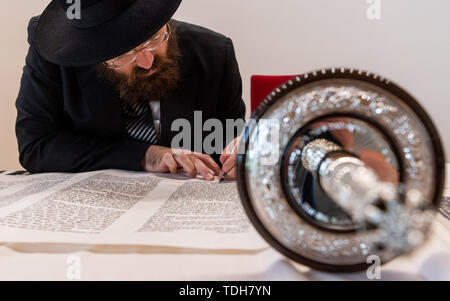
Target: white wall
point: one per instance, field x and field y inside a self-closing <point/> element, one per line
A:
<point x="14" y="17"/>
<point x="410" y="45"/>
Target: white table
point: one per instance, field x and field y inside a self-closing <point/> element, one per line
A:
<point x="49" y="262"/>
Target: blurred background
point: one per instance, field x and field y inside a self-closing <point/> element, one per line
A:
<point x="409" y="43"/>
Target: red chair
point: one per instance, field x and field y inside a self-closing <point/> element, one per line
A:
<point x="263" y="85"/>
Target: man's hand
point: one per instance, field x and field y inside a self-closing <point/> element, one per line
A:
<point x="161" y="159"/>
<point x="228" y="160"/>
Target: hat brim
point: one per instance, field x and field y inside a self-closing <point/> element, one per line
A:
<point x="60" y="42"/>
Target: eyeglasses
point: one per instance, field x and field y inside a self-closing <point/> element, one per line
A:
<point x="151" y="45"/>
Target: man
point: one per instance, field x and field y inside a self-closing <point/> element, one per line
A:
<point x="102" y="90"/>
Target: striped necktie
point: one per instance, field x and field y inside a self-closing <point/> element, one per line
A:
<point x="139" y="122"/>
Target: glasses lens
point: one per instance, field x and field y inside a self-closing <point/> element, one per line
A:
<point x="151" y="45"/>
<point x="124" y="59"/>
<point x="157" y="41"/>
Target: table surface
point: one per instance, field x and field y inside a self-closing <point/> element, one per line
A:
<point x="53" y="261"/>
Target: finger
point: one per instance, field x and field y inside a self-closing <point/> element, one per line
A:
<point x="202" y="169"/>
<point x="180" y="151"/>
<point x="229" y="163"/>
<point x="187" y="164"/>
<point x="210" y="163"/>
<point x="224" y="157"/>
<point x="231" y="147"/>
<point x="229" y="150"/>
<point x="170" y="162"/>
<point x="231" y="175"/>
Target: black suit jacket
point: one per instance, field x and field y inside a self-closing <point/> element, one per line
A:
<point x="70" y="119"/>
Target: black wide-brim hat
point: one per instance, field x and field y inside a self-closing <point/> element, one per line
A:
<point x="105" y="29"/>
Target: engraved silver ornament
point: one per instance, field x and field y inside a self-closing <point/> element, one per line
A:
<point x="338" y="165"/>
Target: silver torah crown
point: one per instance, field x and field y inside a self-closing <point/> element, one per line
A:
<point x="341" y="164"/>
